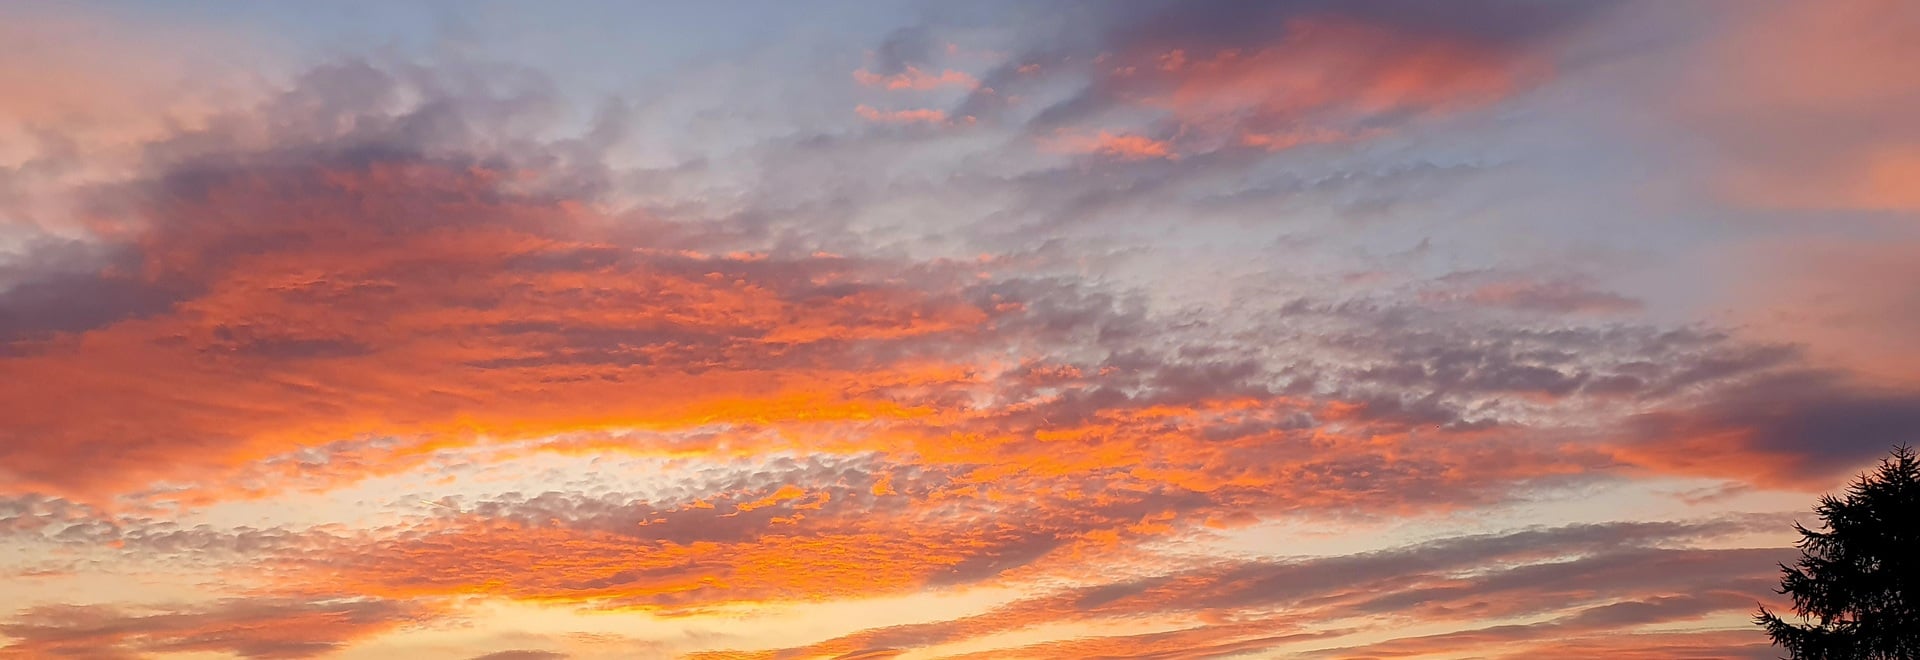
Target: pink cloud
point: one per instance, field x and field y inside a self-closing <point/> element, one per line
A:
<point x="1123" y="146"/>
<point x="915" y="79"/>
<point x="908" y="116"/>
<point x="1809" y="105"/>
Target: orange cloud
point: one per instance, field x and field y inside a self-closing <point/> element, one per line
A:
<point x="321" y="307"/>
<point x="1620" y="576"/>
<point x="313" y="305"/>
<point x="267" y="628"/>
<point x="1023" y="496"/>
<point x="1121" y="146"/>
<point x="917" y="115"/>
<point x="1284" y="140"/>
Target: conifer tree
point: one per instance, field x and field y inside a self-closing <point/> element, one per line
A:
<point x="1856" y="587"/>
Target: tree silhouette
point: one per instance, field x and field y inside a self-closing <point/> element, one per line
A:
<point x="1856" y="587"/>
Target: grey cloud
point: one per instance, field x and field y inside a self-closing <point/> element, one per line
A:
<point x="36" y="518"/>
<point x="68" y="286"/>
<point x="1820" y="421"/>
<point x="905" y="47"/>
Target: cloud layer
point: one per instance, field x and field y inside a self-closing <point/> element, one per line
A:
<point x="1124" y="330"/>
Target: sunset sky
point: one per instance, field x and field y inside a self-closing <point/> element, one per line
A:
<point x="862" y="330"/>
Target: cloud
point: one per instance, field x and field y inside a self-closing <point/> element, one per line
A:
<point x="521" y="655"/>
<point x="911" y="78"/>
<point x="1572" y="636"/>
<point x="70" y="286"/>
<point x="911" y="116"/>
<point x="903" y="48"/>
<point x="868" y="368"/>
<point x="1795" y="428"/>
<point x="1847" y="300"/>
<point x="87" y="82"/>
<point x="1535" y="294"/>
<point x="1609" y="577"/>
<point x="1806" y="106"/>
<point x="248" y="628"/>
<point x="1277" y="75"/>
<point x="1196" y="643"/>
<point x="370" y="263"/>
<point x="1121" y="146"/>
<point x="428" y="277"/>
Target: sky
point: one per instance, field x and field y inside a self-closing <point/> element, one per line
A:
<point x="781" y="330"/>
